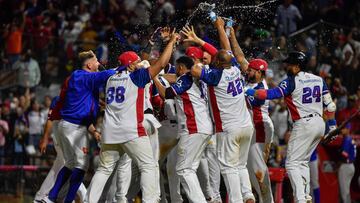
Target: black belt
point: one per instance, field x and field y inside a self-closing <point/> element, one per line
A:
<point x="311" y="115"/>
<point x="173" y="121"/>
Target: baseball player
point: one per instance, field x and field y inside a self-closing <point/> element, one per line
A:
<point x="123" y="130"/>
<point x="78" y="112"/>
<point x="226" y="95"/>
<point x="209" y="170"/>
<point x="52" y="124"/>
<point x="264" y="131"/>
<point x="195" y="126"/>
<point x="346" y="169"/>
<point x="305" y="95"/>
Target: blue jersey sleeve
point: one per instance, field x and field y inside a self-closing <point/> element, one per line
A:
<point x="346" y="145"/>
<point x="54" y="101"/>
<point x="257" y="102"/>
<point x="285" y="88"/>
<point x="140" y="77"/>
<point x="171" y="69"/>
<point x="211" y="76"/>
<point x="95" y="80"/>
<point x="182" y="84"/>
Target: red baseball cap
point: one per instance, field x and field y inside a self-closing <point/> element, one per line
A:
<point x="258" y="64"/>
<point x="128" y="57"/>
<point x="194" y="52"/>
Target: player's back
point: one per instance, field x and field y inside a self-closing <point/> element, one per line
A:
<point x="124" y="111"/>
<point x="193" y="113"/>
<point x="227" y="101"/>
<point x="306" y="98"/>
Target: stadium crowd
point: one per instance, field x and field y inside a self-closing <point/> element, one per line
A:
<point x="41" y="38"/>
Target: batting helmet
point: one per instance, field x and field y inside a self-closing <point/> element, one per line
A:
<point x="296" y="58"/>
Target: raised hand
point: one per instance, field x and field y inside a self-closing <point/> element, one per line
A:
<point x="219" y="22"/>
<point x="174" y="37"/>
<point x="165" y="33"/>
<point x="190" y="35"/>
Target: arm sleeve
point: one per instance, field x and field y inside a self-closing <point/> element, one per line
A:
<point x="211" y="76"/>
<point x="210" y="49"/>
<point x="182" y="85"/>
<point x="140" y="77"/>
<point x="285" y="88"/>
<point x="345" y="147"/>
<point x="95" y="80"/>
<point x="254" y="101"/>
<point x="325" y="89"/>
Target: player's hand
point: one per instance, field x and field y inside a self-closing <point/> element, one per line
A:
<point x="250" y="92"/>
<point x="174" y="36"/>
<point x="97" y="136"/>
<point x="42" y="145"/>
<point x="190" y="34"/>
<point x="219" y="22"/>
<point x="165" y="34"/>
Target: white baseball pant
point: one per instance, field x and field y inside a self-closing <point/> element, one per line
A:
<point x="214" y="168"/>
<point x="305" y="136"/>
<point x="259" y="174"/>
<point x="232" y="151"/>
<point x="346" y="173"/>
<point x="189" y="152"/>
<point x="59" y="162"/>
<point x="203" y="176"/>
<point x="173" y="177"/>
<point x="74" y="142"/>
<point x="140" y="151"/>
<point x="151" y="126"/>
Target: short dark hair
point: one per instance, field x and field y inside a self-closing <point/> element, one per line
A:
<point x="186" y="61"/>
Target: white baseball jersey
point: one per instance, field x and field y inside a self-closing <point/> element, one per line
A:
<point x="303" y="94"/>
<point x="227" y="100"/>
<point x="260" y="113"/>
<point x="124" y="112"/>
<point x="193" y="115"/>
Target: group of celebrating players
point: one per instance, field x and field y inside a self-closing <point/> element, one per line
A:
<point x="207" y="116"/>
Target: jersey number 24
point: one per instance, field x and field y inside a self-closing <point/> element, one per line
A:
<point x="310" y="94"/>
<point x="117" y="95"/>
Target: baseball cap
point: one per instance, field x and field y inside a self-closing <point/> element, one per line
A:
<point x="194" y="52"/>
<point x="258" y="64"/>
<point x="128" y="57"/>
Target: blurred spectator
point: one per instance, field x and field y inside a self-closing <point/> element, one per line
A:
<point x="286" y="18"/>
<point x="13" y="39"/>
<point x="46" y="107"/>
<point x="88" y="37"/>
<point x="4" y="130"/>
<point x="28" y="71"/>
<point x="347" y="52"/>
<point x="36" y="122"/>
<point x="21" y="133"/>
<point x="339" y="93"/>
<point x="347" y="112"/>
<point x="346" y="169"/>
<point x="280" y="118"/>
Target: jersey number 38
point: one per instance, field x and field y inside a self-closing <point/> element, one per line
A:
<point x="117" y="95"/>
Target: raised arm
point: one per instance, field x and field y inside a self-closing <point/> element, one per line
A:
<point x="165" y="56"/>
<point x="237" y="51"/>
<point x="192" y="37"/>
<point x="224" y="41"/>
<point x="161" y="88"/>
